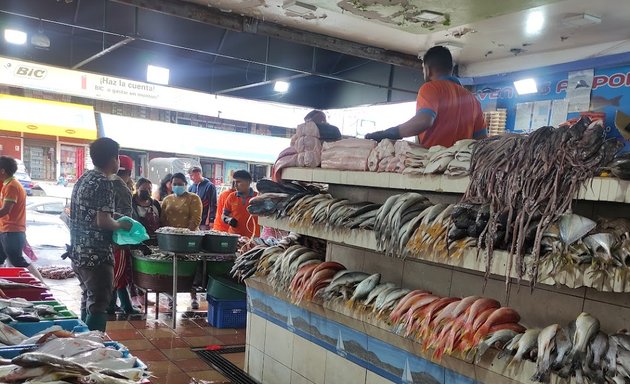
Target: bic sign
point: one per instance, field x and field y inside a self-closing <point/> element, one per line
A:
<point x="32" y="73"/>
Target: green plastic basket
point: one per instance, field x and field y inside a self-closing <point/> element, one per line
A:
<point x="179" y="243"/>
<point x="220" y="288"/>
<point x="219" y="268"/>
<point x="163" y="267"/>
<point x="220" y="243"/>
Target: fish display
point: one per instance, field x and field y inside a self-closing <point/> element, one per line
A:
<point x="63" y="357"/>
<point x="529" y="181"/>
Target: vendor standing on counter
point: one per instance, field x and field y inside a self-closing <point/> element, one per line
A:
<point x="235" y="212"/>
<point x="446" y="112"/>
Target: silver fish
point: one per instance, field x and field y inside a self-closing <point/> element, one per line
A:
<point x="346" y="279"/>
<point x="546" y="343"/>
<point x="365" y="287"/>
<point x="596" y="350"/>
<point x="586" y="327"/>
<point x="377" y="291"/>
<point x="10" y="336"/>
<point x="68" y="347"/>
<point x="391" y="299"/>
<point x="563" y="346"/>
<point x="525" y="344"/>
<point x="501" y="336"/>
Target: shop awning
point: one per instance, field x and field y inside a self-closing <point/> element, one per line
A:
<point x="44" y="117"/>
<point x="157" y="136"/>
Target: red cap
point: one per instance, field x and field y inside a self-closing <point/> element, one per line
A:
<point x="126" y="163"/>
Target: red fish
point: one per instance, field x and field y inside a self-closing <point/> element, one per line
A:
<point x="405" y="303"/>
<point x="503" y="315"/>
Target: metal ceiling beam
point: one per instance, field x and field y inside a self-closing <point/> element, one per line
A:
<point x="239" y="23"/>
<point x="104" y="52"/>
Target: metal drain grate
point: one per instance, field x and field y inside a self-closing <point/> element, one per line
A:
<point x="212" y="356"/>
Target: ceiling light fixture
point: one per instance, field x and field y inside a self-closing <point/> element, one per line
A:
<point x="158" y="75"/>
<point x="535" y="23"/>
<point x="581" y="20"/>
<point x="526" y="86"/>
<point x="14" y="36"/>
<point x="298" y="8"/>
<point x="281" y="86"/>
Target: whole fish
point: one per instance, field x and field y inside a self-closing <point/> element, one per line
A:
<point x="115" y="363"/>
<point x="4" y="318"/>
<point x="525" y="344"/>
<point x="546" y="343"/>
<point x="17" y="302"/>
<point x="490" y="340"/>
<point x="12" y="311"/>
<point x="10" y="336"/>
<point x="68" y="347"/>
<point x="596" y="351"/>
<point x="364" y="288"/>
<point x="346" y="279"/>
<point x="100" y="378"/>
<point x="586" y="327"/>
<point x="4" y="283"/>
<point x="390" y="300"/>
<point x="18" y="374"/>
<point x="377" y="291"/>
<point x="380" y="298"/>
<point x="96" y="355"/>
<point x="404" y="304"/>
<point x="38" y="359"/>
<point x="563" y="346"/>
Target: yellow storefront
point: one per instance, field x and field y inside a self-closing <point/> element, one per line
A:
<point x="53" y="136"/>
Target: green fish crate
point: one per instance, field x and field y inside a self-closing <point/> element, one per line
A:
<point x="63" y="313"/>
<point x="227" y="313"/>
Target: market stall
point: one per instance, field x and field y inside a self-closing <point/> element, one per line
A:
<point x="408" y="257"/>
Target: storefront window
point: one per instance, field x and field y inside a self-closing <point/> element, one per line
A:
<point x="40" y="161"/>
<point x="72" y="162"/>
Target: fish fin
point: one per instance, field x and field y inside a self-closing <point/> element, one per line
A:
<point x="615" y="101"/>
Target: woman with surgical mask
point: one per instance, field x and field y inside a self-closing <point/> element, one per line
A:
<point x="181" y="209"/>
<point x="146" y="210"/>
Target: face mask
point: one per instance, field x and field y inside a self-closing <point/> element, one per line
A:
<point x="144" y="195"/>
<point x="179" y="189"/>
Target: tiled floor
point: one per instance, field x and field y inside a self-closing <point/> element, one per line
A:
<point x="167" y="352"/>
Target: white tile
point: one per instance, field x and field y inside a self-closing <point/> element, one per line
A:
<point x="256" y="331"/>
<point x="373" y="378"/>
<point x="279" y="343"/>
<point x="390" y="268"/>
<point x="612" y="318"/>
<point x="430" y="277"/>
<point x="255" y="363"/>
<point x="342" y="371"/>
<point x="274" y="372"/>
<point x="309" y="360"/>
<point x="558" y="307"/>
<point x="297" y="379"/>
<point x="469" y="284"/>
<point x="619" y="299"/>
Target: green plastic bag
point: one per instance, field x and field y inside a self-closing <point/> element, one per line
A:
<point x="136" y="235"/>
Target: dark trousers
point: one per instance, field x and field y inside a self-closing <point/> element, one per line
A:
<point x="96" y="286"/>
<point x="11" y="246"/>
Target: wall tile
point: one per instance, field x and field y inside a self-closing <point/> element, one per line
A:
<point x="256" y="331"/>
<point x="418" y="275"/>
<point x="390" y="268"/>
<point x="622" y="299"/>
<point x="542" y="308"/>
<point x="279" y="344"/>
<point x="340" y="370"/>
<point x="297" y="379"/>
<point x="309" y="360"/>
<point x="612" y="318"/>
<point x="373" y="378"/>
<point x="468" y="284"/>
<point x="274" y="372"/>
<point x="351" y="258"/>
<point x="255" y="363"/>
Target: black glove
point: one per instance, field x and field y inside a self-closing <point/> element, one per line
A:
<point x="391" y="134"/>
<point x="230" y="221"/>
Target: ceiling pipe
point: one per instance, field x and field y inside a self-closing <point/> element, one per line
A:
<point x="104" y="52"/>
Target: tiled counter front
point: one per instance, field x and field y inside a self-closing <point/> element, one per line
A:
<point x="287" y="344"/>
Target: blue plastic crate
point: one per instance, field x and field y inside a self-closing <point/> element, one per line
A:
<point x="227" y="313"/>
<point x="30" y="329"/>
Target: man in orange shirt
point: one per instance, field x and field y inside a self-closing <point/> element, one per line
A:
<point x="12" y="215"/>
<point x="235" y="211"/>
<point x="219" y="225"/>
<point x="446" y="112"/>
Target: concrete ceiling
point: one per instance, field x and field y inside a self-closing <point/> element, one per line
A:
<point x="485" y="29"/>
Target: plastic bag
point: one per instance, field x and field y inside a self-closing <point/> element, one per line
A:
<point x="136" y="235"/>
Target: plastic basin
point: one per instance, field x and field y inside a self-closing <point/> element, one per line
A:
<point x="179" y="243"/>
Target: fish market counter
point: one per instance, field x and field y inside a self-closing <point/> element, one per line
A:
<point x="313" y="342"/>
<point x="606" y="189"/>
<point x="172" y="273"/>
<point x="577" y="277"/>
